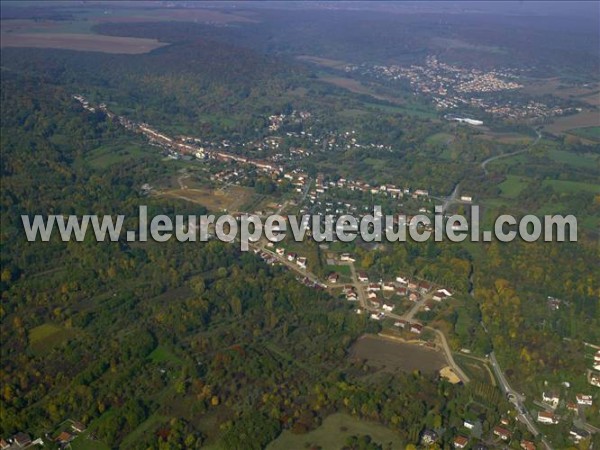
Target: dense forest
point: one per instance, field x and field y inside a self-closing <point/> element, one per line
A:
<point x="181" y="345"/>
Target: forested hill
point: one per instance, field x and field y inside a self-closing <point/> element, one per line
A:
<point x="186" y="344"/>
<point x="199" y="85"/>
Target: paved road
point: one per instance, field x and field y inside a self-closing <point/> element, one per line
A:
<point x="408" y="317"/>
<point x="517" y="400"/>
<point x="506" y="155"/>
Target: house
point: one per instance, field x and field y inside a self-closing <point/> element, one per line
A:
<point x="371" y="295"/>
<point x="527" y="445"/>
<point x="577" y="434"/>
<point x="333" y="277"/>
<point x="78" y="427"/>
<point x="413" y="297"/>
<point x="468" y="425"/>
<point x="547" y="417"/>
<point x="502" y="433"/>
<point x="553" y="303"/>
<point x="388" y="308"/>
<point x="301" y="262"/>
<point x="374" y="287"/>
<point x="441" y="294"/>
<point x="280" y="251"/>
<point x="595" y="380"/>
<point x="466" y="198"/>
<point x="460" y="442"/>
<point x="362" y="277"/>
<point x="351" y="296"/>
<point x="412" y="285"/>
<point x="585" y="400"/>
<point x="291" y="257"/>
<point x="571" y="406"/>
<point x="347" y="257"/>
<point x="428" y="306"/>
<point x="401" y="291"/>
<point x="551" y="398"/>
<point x="21" y="439"/>
<point x="388" y="287"/>
<point x="424" y="287"/>
<point x="504" y="421"/>
<point x="597" y="357"/>
<point x="376" y="316"/>
<point x="400" y="323"/>
<point x="64" y="438"/>
<point x="428" y="437"/>
<point x="416" y="328"/>
<point x="401" y="280"/>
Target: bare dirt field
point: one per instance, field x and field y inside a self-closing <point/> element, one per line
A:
<point x="393" y="356"/>
<point x="580" y="120"/>
<point x="82" y="42"/>
<point x="554" y="86"/>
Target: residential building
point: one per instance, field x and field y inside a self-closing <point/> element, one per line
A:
<point x="460" y="442"/>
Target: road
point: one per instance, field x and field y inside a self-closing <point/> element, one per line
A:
<point x="360" y="289"/>
<point x="517" y="400"/>
<point x="506" y="155"/>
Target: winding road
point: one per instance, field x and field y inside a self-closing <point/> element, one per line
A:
<point x="507" y="155"/>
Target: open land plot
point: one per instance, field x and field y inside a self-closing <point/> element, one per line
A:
<point x="333" y="433"/>
<point x="506" y="138"/>
<point x="578" y="160"/>
<point x="394" y="356"/>
<point x="230" y="199"/>
<point x="42" y="338"/>
<point x="587" y="93"/>
<point x="589" y="133"/>
<point x="513" y="186"/>
<point x="81" y="42"/>
<point x="572" y="186"/>
<point x="583" y="119"/>
<point x="325" y="62"/>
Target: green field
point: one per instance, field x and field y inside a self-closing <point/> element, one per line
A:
<point x="82" y="442"/>
<point x="563" y="186"/>
<point x="439" y="138"/>
<point x="147" y="426"/>
<point x="591" y="133"/>
<point x="334" y="431"/>
<point x="109" y="154"/>
<point x="163" y="354"/>
<point x="513" y="186"/>
<point x="42" y="338"/>
<point x="573" y="159"/>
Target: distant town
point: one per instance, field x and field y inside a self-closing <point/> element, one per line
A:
<point x="449" y="87"/>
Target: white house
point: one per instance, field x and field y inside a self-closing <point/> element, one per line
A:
<point x="389" y="287"/>
<point x="387" y="307"/>
<point x="401" y="280"/>
<point x="347" y="257"/>
<point x="547" y="417"/>
<point x="551" y="398"/>
<point x="583" y="399"/>
<point x="301" y="262"/>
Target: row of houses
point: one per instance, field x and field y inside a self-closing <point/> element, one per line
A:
<point x="23" y="440"/>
